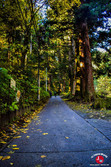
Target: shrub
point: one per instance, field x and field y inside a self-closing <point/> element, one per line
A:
<point x="104" y="86"/>
<point x="7" y="94"/>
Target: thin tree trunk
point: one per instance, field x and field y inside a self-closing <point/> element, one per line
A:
<point x="38" y="84"/>
<point x="70" y="71"/>
<point x="74" y="77"/>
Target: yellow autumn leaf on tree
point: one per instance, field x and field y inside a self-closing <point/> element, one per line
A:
<point x="5" y="157"/>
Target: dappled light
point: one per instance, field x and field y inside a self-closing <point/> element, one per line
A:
<point x="55" y="83"/>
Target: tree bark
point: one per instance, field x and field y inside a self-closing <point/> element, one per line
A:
<point x="74" y="77"/>
<point x="89" y="85"/>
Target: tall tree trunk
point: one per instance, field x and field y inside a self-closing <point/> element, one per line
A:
<point x="89" y="90"/>
<point x="38" y="83"/>
<point x="70" y="70"/>
<point x="82" y="67"/>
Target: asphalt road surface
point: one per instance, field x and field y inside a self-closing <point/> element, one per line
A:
<point x="59" y="138"/>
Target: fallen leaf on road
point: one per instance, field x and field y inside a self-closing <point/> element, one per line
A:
<point x="11" y="163"/>
<point x="43" y="156"/>
<point x="11" y="152"/>
<point x="27" y="137"/>
<point x="14" y="145"/>
<point x="67" y="137"/>
<point x="5" y="157"/>
<point x="17" y="137"/>
<point x="3" y="142"/>
<point x="45" y="133"/>
<point x="28" y="121"/>
<point x="65" y="120"/>
<point x="1" y="157"/>
<point x="9" y="146"/>
<point x="15" y="148"/>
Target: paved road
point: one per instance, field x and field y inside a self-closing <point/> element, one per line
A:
<point x="65" y="138"/>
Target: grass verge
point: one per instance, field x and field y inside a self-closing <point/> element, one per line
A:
<point x="85" y="110"/>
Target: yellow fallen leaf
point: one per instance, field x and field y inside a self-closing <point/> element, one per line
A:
<point x="67" y="137"/>
<point x="43" y="156"/>
<point x="15" y="148"/>
<point x="16" y="137"/>
<point x="1" y="157"/>
<point x="24" y="132"/>
<point x="27" y="136"/>
<point x="11" y="163"/>
<point x="38" y="166"/>
<point x="3" y="142"/>
<point x="45" y="133"/>
<point x="28" y="121"/>
<point x="5" y="157"/>
<point x="11" y="152"/>
<point x="14" y="145"/>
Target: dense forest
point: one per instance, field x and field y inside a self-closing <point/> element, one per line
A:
<point x="52" y="45"/>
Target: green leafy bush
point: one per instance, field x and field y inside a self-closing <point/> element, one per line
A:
<point x="44" y="94"/>
<point x="103" y="87"/>
<point x="103" y="93"/>
<point x="13" y="106"/>
<point x="7" y="94"/>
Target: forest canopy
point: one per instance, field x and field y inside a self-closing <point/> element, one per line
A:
<point x="51" y="45"/>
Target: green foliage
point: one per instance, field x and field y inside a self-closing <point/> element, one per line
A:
<point x="104" y="86"/>
<point x="101" y="63"/>
<point x="103" y="103"/>
<point x="103" y="93"/>
<point x="44" y="94"/>
<point x="22" y="26"/>
<point x="13" y="106"/>
<point x="7" y="94"/>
